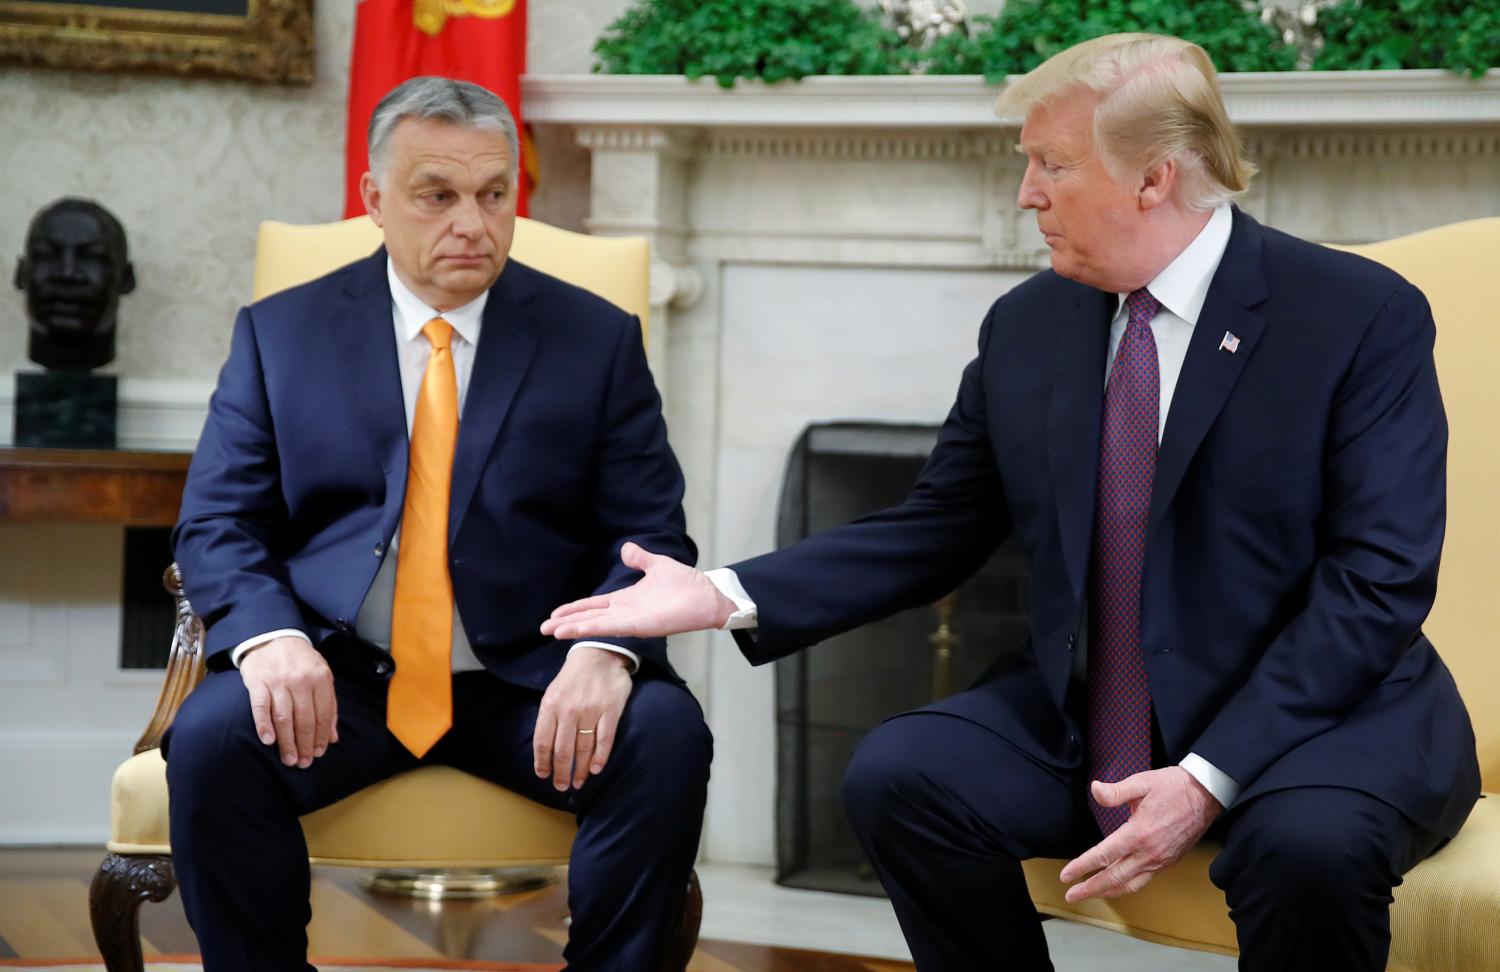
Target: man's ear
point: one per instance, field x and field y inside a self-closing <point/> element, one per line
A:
<point x="1158" y="184"/>
<point x="20" y="277"/>
<point x="369" y="192"/>
<point x="127" y="279"/>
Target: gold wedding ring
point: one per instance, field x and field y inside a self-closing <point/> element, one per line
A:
<point x="585" y="732"/>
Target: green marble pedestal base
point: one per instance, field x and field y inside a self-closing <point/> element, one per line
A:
<point x="66" y="409"/>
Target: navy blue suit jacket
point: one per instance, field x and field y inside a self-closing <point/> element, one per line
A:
<point x="297" y="483"/>
<point x="1293" y="537"/>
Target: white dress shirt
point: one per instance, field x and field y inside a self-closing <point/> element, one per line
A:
<point x="410" y="315"/>
<point x="1181" y="289"/>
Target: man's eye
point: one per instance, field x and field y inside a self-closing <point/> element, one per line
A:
<point x="435" y="198"/>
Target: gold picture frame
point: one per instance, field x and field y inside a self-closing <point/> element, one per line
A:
<point x="272" y="41"/>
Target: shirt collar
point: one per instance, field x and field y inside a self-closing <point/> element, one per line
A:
<point x="412" y="313"/>
<point x="1183" y="286"/>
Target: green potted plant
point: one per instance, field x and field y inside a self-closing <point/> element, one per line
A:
<point x="778" y="40"/>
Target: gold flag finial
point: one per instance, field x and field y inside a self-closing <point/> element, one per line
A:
<point x="429" y="16"/>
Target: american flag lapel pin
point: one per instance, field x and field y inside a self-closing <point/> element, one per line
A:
<point x="1230" y="343"/>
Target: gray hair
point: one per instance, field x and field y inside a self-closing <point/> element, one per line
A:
<point x="455" y="102"/>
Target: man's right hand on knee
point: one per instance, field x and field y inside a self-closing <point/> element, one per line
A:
<point x="291" y="698"/>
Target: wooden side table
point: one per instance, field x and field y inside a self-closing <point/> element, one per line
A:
<point x="92" y="485"/>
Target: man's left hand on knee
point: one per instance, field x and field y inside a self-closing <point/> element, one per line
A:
<point x="575" y="727"/>
<point x="1169" y="813"/>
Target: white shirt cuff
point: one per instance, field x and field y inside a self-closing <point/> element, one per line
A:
<point x="728" y="583"/>
<point x="244" y="648"/>
<point x="1217" y="782"/>
<point x="635" y="660"/>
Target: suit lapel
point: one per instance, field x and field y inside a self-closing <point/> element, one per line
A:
<point x="1209" y="372"/>
<point x="507" y="342"/>
<point x="366" y="338"/>
<point x="1073" y="423"/>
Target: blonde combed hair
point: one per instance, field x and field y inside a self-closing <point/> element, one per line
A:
<point x="1159" y="100"/>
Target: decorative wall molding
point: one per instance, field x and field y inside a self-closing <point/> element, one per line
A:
<point x="1393" y="145"/>
<point x="850" y="146"/>
<point x="678" y="285"/>
<point x="669" y="155"/>
<point x="1297" y="98"/>
<point x="846" y="146"/>
<point x="1336" y="140"/>
<point x="1418" y="98"/>
<point x="1302" y="117"/>
<point x="677" y="142"/>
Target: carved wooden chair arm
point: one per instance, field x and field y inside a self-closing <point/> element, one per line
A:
<point x="184" y="665"/>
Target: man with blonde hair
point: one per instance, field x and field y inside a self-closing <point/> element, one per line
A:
<point x="1222" y="450"/>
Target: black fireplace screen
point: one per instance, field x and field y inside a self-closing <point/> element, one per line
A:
<point x="828" y="697"/>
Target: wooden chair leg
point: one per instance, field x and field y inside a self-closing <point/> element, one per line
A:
<point x="115" y="897"/>
<point x="686" y="942"/>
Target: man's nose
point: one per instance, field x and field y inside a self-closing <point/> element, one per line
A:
<point x="466" y="219"/>
<point x="1029" y="196"/>
<point x="69" y="264"/>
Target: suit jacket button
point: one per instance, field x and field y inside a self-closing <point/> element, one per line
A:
<point x="380" y="550"/>
<point x="1072" y="642"/>
<point x="383" y="667"/>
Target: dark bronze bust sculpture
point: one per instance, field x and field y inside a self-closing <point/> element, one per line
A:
<point x="75" y="269"/>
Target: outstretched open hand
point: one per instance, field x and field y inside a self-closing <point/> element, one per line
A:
<point x="670" y="599"/>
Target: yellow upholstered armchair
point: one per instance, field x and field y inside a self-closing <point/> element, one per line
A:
<point x="476" y="824"/>
<point x="1446" y="917"/>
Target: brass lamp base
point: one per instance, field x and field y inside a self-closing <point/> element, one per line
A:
<point x="458" y="883"/>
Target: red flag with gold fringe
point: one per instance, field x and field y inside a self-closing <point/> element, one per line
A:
<point x="483" y="41"/>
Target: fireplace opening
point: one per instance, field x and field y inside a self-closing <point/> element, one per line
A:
<point x="829" y="696"/>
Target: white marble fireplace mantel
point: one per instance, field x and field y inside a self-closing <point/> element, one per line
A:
<point x="1425" y="98"/>
<point x="658" y="141"/>
<point x="825" y="250"/>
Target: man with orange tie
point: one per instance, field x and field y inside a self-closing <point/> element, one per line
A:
<point x="406" y="463"/>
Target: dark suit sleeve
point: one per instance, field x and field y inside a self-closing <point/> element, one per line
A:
<point x="638" y="485"/>
<point x="898" y="558"/>
<point x="232" y="507"/>
<point x="1379" y="537"/>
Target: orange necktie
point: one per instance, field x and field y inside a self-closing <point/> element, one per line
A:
<point x="419" y="708"/>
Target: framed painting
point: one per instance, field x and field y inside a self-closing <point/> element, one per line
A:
<point x="262" y="40"/>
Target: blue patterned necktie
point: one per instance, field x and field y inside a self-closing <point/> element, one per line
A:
<point x="1119" y="698"/>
